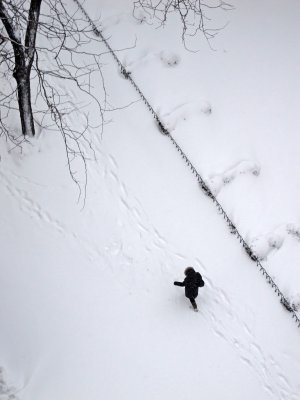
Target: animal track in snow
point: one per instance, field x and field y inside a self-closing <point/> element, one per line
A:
<point x="217" y="181"/>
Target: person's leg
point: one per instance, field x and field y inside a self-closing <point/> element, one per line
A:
<point x="194" y="304"/>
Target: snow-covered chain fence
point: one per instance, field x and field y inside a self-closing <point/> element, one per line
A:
<point x="233" y="229"/>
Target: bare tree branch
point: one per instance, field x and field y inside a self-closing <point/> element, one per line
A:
<point x="191" y="13"/>
<point x="50" y="52"/>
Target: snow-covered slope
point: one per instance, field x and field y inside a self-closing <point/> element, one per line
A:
<point x="88" y="306"/>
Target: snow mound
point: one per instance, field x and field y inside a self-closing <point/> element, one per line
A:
<point x="265" y="244"/>
<point x="293" y="230"/>
<point x="217" y="181"/>
<point x="294" y="300"/>
<point x="169" y="59"/>
<point x="184" y="112"/>
<point x="145" y="57"/>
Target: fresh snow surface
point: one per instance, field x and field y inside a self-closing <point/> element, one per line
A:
<point x="88" y="306"/>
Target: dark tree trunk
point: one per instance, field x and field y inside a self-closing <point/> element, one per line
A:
<point x="24" y="101"/>
<point x="24" y="56"/>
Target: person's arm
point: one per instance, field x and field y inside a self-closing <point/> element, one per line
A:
<point x="179" y="283"/>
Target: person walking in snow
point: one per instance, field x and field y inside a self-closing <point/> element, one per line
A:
<point x="193" y="280"/>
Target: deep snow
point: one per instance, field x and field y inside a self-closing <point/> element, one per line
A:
<point x="88" y="306"/>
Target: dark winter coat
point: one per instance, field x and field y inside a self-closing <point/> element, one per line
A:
<point x="191" y="283"/>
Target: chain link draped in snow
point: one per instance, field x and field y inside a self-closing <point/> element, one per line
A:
<point x="233" y="229"/>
